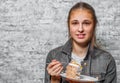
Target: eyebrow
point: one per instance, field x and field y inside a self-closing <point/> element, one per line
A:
<point x="83" y="20"/>
<point x="74" y="20"/>
<point x="87" y="20"/>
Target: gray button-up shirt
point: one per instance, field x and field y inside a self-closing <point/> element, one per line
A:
<point x="97" y="63"/>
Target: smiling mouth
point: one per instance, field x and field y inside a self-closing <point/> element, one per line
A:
<point x="81" y="36"/>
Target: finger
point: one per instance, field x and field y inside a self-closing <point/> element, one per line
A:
<point x="52" y="64"/>
<point x="56" y="66"/>
<point x="54" y="60"/>
<point x="56" y="72"/>
<point x="53" y="68"/>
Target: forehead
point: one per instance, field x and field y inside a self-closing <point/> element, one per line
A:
<point x="80" y="14"/>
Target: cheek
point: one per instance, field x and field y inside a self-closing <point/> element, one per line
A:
<point x="72" y="31"/>
<point x="90" y="31"/>
<point x="73" y="28"/>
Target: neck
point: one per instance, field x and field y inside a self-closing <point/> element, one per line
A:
<point x="79" y="50"/>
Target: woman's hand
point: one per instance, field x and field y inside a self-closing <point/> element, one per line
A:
<point x="54" y="68"/>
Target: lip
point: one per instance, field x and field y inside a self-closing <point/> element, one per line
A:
<point x="80" y="36"/>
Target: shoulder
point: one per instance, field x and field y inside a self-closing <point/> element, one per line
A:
<point x="55" y="50"/>
<point x="52" y="53"/>
<point x="104" y="58"/>
<point x="103" y="54"/>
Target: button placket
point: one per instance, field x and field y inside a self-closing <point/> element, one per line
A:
<point x="84" y="68"/>
<point x="85" y="64"/>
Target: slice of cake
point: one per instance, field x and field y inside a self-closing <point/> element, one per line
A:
<point x="73" y="70"/>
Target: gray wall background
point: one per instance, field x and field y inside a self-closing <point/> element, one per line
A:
<point x="31" y="28"/>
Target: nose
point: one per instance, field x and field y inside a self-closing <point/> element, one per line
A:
<point x="80" y="28"/>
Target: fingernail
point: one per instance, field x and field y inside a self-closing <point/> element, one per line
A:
<point x="54" y="60"/>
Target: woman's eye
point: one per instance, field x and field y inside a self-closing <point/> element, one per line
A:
<point x="74" y="23"/>
<point x="86" y="23"/>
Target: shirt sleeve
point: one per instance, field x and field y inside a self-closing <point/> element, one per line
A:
<point x="111" y="76"/>
<point x="47" y="76"/>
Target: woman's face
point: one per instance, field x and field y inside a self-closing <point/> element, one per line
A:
<point x="81" y="26"/>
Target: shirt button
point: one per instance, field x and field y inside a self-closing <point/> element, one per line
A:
<point x="85" y="64"/>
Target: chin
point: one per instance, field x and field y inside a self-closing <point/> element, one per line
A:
<point x="80" y="41"/>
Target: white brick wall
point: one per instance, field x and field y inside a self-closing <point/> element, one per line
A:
<point x="30" y="28"/>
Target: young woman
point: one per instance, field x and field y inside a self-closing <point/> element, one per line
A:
<point x="81" y="47"/>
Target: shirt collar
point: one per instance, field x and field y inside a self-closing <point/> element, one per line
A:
<point x="67" y="48"/>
